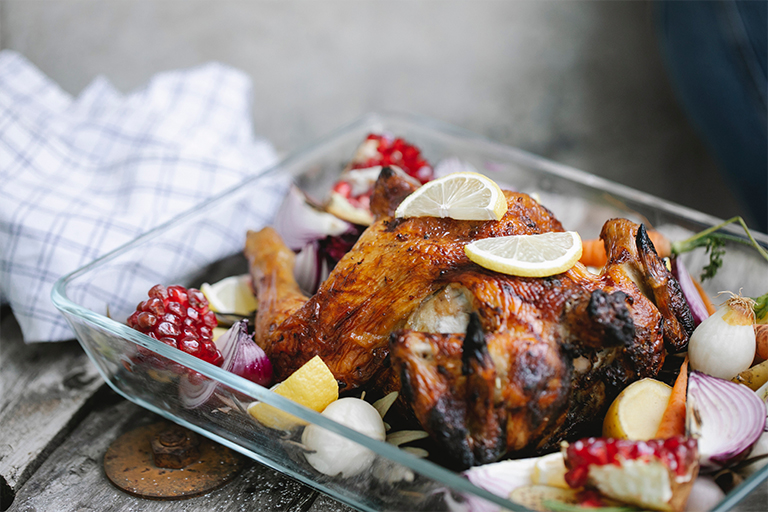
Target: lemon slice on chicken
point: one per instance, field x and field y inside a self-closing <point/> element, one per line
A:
<point x="461" y="195"/>
<point x="541" y="255"/>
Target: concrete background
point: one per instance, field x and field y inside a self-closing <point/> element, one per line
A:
<point x="580" y="82"/>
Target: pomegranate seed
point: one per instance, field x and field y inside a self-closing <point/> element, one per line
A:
<point x="171" y="319"/>
<point x="210" y="353"/>
<point x="196" y="299"/>
<point x="343" y="188"/>
<point x="190" y="345"/>
<point x="156" y="306"/>
<point x="175" y="308"/>
<point x="177" y="294"/>
<point x="167" y="329"/>
<point x="145" y="320"/>
<point x="158" y="292"/>
<point x="209" y="319"/>
<point x="192" y="314"/>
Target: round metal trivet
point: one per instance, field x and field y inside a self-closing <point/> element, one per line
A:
<point x="130" y="463"/>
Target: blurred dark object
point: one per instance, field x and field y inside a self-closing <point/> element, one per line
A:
<point x="715" y="52"/>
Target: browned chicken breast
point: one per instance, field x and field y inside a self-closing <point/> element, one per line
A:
<point x="490" y="364"/>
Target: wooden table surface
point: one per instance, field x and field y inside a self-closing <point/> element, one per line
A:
<point x="57" y="418"/>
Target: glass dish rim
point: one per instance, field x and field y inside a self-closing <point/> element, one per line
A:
<point x="453" y="480"/>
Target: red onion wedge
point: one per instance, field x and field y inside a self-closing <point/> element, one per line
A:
<point x="691" y="294"/>
<point x="727" y="418"/>
<point x="242" y="356"/>
<point x="310" y="268"/>
<point x="299" y="221"/>
<point x="315" y="261"/>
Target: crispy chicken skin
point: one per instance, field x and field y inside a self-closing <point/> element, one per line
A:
<point x="490" y="364"/>
<point x="394" y="266"/>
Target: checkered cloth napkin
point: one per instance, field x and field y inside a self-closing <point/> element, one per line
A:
<point x="81" y="176"/>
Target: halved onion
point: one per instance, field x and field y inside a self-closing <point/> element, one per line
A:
<point x="727" y="418"/>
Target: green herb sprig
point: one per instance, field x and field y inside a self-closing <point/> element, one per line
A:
<point x="714" y="242"/>
<point x="761" y="309"/>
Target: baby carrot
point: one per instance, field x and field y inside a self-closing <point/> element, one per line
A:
<point x="673" y="420"/>
<point x="593" y="250"/>
<point x="593" y="253"/>
<point x="661" y="243"/>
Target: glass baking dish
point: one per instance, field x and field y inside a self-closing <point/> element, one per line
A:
<point x="191" y="249"/>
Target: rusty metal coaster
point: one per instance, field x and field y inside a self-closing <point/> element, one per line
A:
<point x="164" y="461"/>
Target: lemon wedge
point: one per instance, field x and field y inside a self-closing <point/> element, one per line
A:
<point x="312" y="385"/>
<point x="231" y="295"/>
<point x="461" y="195"/>
<point x="636" y="413"/>
<point x="541" y="255"/>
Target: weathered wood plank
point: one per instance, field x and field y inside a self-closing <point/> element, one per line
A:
<point x="325" y="503"/>
<point x="72" y="479"/>
<point x="44" y="391"/>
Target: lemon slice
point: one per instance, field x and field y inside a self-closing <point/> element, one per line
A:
<point x="461" y="195"/>
<point x="231" y="295"/>
<point x="541" y="255"/>
<point x="312" y="385"/>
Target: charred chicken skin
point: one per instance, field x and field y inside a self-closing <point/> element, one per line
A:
<point x="490" y="364"/>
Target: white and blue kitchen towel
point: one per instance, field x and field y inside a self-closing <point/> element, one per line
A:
<point x="81" y="176"/>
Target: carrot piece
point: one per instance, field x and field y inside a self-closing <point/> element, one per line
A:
<point x="660" y="243"/>
<point x="704" y="297"/>
<point x="593" y="250"/>
<point x="673" y="420"/>
<point x="593" y="253"/>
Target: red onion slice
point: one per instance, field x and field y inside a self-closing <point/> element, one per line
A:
<point x="690" y="292"/>
<point x="299" y="222"/>
<point x="243" y="357"/>
<point x="727" y="418"/>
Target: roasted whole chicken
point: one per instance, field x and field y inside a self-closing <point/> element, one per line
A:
<point x="489" y="364"/>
